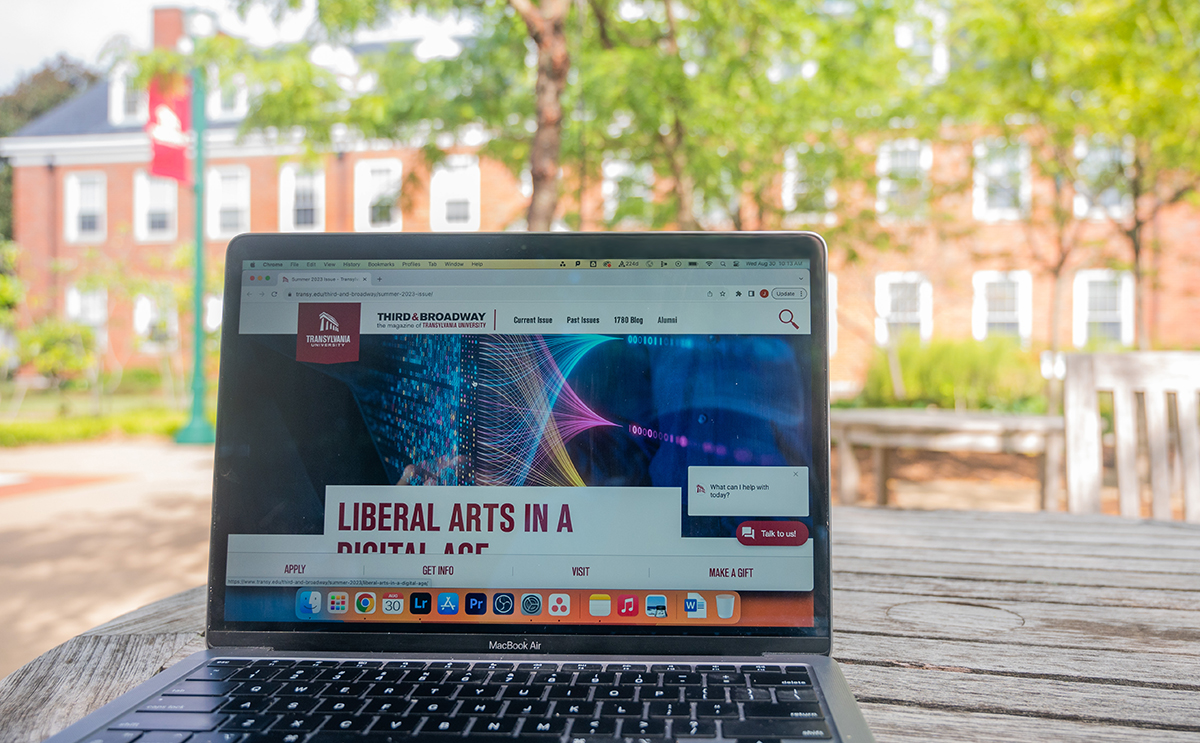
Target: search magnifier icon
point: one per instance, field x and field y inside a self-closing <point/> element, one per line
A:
<point x="787" y="318"/>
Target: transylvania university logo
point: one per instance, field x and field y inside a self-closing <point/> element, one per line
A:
<point x="327" y="333"/>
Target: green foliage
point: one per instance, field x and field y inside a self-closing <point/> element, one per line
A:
<point x="12" y="289"/>
<point x="58" y="350"/>
<point x="994" y="374"/>
<point x="153" y="421"/>
<point x="33" y="95"/>
<point x="138" y="381"/>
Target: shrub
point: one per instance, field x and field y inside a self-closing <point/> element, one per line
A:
<point x="994" y="374"/>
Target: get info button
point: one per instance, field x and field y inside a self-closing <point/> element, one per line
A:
<point x="772" y="533"/>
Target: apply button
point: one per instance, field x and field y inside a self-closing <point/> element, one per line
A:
<point x="772" y="533"/>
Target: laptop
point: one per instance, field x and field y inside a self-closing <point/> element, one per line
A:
<point x="549" y="488"/>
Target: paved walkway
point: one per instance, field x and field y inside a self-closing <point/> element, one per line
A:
<point x="90" y="531"/>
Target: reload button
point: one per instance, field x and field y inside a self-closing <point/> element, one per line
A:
<point x="772" y="533"/>
<point x="789" y="292"/>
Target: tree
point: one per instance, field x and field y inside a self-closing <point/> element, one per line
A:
<point x="32" y="95"/>
<point x="488" y="84"/>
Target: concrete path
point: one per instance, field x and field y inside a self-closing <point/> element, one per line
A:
<point x="90" y="531"/>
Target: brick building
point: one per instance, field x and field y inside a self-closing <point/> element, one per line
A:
<point x="101" y="240"/>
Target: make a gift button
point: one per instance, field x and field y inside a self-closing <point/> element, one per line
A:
<point x="772" y="533"/>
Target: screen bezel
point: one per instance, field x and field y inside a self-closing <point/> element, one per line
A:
<point x="573" y="639"/>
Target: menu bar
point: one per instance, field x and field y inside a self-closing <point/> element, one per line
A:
<point x="571" y="263"/>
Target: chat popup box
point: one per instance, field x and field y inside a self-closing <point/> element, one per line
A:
<point x="747" y="491"/>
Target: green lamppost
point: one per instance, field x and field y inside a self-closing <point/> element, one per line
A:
<point x="198" y="430"/>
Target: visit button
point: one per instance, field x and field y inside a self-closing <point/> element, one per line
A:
<point x="772" y="533"/>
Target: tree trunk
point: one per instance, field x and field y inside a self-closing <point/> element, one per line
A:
<point x="547" y="28"/>
<point x="1139" y="301"/>
<point x="1053" y="399"/>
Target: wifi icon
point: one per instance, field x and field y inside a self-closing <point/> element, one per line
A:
<point x="709" y="262"/>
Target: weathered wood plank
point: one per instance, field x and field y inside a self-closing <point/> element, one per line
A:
<point x="988" y="656"/>
<point x="939" y="586"/>
<point x="183" y="612"/>
<point x="893" y="723"/>
<point x="79" y="676"/>
<point x="1151" y="709"/>
<point x="1189" y="447"/>
<point x="902" y="564"/>
<point x="1129" y="629"/>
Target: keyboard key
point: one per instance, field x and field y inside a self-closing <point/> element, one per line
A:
<point x="595" y="727"/>
<point x="569" y="692"/>
<point x="362" y="664"/>
<point x="161" y="736"/>
<point x="383" y="675"/>
<point x="715" y="668"/>
<point x="512" y="677"/>
<point x="682" y="678"/>
<point x="620" y="709"/>
<point x="344" y="675"/>
<point x="581" y="667"/>
<point x="316" y="664"/>
<point x="740" y="694"/>
<point x="427" y="691"/>
<point x="248" y="723"/>
<point x="181" y="704"/>
<point x="726" y="679"/>
<point x="247" y="705"/>
<point x="613" y="692"/>
<point x="201" y="688"/>
<point x="427" y="676"/>
<point x="665" y="693"/>
<point x="671" y="667"/>
<point x="433" y="707"/>
<point x="694" y="729"/>
<point x="251" y="673"/>
<point x="347" y="724"/>
<point x="596" y="678"/>
<point x="340" y="706"/>
<point x="229" y="662"/>
<point x="347" y="690"/>
<point x="760" y="668"/>
<point x="304" y="689"/>
<point x="670" y="709"/>
<point x="523" y="692"/>
<point x="704" y="693"/>
<point x="114" y="736"/>
<point x="644" y="728"/>
<point x="626" y="667"/>
<point x="298" y="723"/>
<point x="385" y="707"/>
<point x="778" y="679"/>
<point x="517" y="708"/>
<point x="716" y="709"/>
<point x="574" y="709"/>
<point x="446" y="725"/>
<point x="405" y="664"/>
<point x="274" y="736"/>
<point x="502" y="726"/>
<point x="390" y="690"/>
<point x="479" y="691"/>
<point x="466" y="677"/>
<point x="538" y="666"/>
<point x="450" y="665"/>
<point x="552" y="677"/>
<point x="480" y="707"/>
<point x="785" y="710"/>
<point x="217" y="737"/>
<point x="197" y="722"/>
<point x="298" y="674"/>
<point x="395" y="724"/>
<point x="775" y="729"/>
<point x="493" y="666"/>
<point x="274" y="663"/>
<point x="638" y="678"/>
<point x="295" y="705"/>
<point x="212" y="674"/>
<point x="544" y="727"/>
<point x="795" y="695"/>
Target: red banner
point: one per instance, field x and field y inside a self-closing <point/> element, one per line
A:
<point x="170" y="120"/>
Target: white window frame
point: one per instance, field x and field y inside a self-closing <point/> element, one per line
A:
<point x="1084" y="208"/>
<point x="143" y="183"/>
<point x="455" y="179"/>
<point x="832" y="304"/>
<point x="982" y="179"/>
<point x="612" y="171"/>
<point x="215" y="195"/>
<point x="214" y="307"/>
<point x="72" y="206"/>
<point x="791" y="186"/>
<point x="906" y="35"/>
<point x="365" y="194"/>
<point x="883" y="303"/>
<point x="1079" y="301"/>
<point x="89" y="308"/>
<point x="213" y="104"/>
<point x="118" y="83"/>
<point x="287" y="198"/>
<point x="146" y="312"/>
<point x="979" y="308"/>
<point x="883" y="167"/>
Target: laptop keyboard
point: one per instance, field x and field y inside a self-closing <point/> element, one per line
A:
<point x="234" y="700"/>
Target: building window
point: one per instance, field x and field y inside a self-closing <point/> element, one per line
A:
<point x="227" y="99"/>
<point x="923" y="36"/>
<point x="1003" y="304"/>
<point x="376" y="192"/>
<point x="155" y="206"/>
<point x="1002" y="187"/>
<point x="1102" y="189"/>
<point x="454" y="195"/>
<point x="903" y="167"/>
<point x="808" y="195"/>
<point x="1103" y="308"/>
<point x="89" y="308"/>
<point x="214" y="307"/>
<point x="301" y="199"/>
<point x="85" y="207"/>
<point x="627" y="191"/>
<point x="903" y="304"/>
<point x="155" y="324"/>
<point x="127" y="105"/>
<point x="228" y="209"/>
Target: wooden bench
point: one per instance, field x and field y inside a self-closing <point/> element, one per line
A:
<point x="888" y="429"/>
<point x="1167" y="382"/>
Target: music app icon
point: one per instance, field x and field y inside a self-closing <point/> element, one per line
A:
<point x="627" y="606"/>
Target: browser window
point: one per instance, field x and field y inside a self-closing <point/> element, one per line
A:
<point x="620" y="443"/>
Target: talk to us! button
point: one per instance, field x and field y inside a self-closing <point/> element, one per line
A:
<point x="772" y="533"/>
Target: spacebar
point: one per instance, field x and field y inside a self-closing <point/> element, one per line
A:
<point x="168" y="721"/>
<point x="774" y="729"/>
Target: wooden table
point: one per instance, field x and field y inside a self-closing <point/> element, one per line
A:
<point x="950" y="625"/>
<point x="888" y="429"/>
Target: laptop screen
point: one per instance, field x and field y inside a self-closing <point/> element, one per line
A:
<point x="550" y="444"/>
